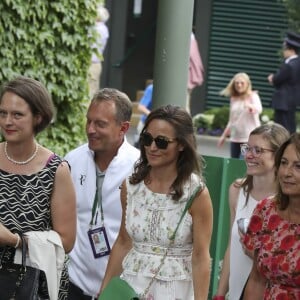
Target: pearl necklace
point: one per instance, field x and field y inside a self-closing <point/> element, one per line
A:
<point x="21" y="162"/>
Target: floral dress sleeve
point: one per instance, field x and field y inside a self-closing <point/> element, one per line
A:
<point x="252" y="237"/>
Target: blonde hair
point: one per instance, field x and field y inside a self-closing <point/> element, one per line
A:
<point x="230" y="90"/>
<point x="102" y="14"/>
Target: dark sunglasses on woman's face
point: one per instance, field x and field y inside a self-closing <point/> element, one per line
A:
<point x="161" y="142"/>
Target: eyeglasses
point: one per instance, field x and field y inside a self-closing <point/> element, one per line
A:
<point x="161" y="142"/>
<point x="256" y="151"/>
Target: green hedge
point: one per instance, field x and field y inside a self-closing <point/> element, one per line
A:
<point x="50" y="41"/>
<point x="212" y="121"/>
<point x="293" y="12"/>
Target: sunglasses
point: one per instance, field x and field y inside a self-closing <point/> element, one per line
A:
<point x="256" y="151"/>
<point x="161" y="142"/>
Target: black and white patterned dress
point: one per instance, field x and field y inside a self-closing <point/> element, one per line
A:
<point x="25" y="206"/>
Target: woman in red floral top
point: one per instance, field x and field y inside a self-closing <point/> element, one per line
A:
<point x="274" y="233"/>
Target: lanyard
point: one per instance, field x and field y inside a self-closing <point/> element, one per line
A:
<point x="98" y="200"/>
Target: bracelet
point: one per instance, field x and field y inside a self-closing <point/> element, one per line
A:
<point x="216" y="297"/>
<point x="18" y="241"/>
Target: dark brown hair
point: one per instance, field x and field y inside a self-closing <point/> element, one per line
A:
<point x="35" y="95"/>
<point x="188" y="161"/>
<point x="283" y="199"/>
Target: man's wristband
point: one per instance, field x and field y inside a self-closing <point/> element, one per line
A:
<point x="216" y="297"/>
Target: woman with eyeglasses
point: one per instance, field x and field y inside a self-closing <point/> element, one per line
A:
<point x="245" y="108"/>
<point x="244" y="194"/>
<point x="274" y="232"/>
<point x="154" y="198"/>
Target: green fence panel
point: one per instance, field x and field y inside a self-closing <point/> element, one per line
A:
<point x="219" y="174"/>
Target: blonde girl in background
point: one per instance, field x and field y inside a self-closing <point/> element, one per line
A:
<point x="245" y="108"/>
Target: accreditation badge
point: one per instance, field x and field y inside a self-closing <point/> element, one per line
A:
<point x="99" y="242"/>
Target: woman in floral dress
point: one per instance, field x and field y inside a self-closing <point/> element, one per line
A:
<point x="274" y="233"/>
<point x="153" y="199"/>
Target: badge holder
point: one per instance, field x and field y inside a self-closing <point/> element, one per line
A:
<point x="99" y="242"/>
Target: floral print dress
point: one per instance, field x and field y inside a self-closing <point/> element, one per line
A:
<point x="278" y="244"/>
<point x="151" y="219"/>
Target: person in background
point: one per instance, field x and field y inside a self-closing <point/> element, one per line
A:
<point x="153" y="199"/>
<point x="98" y="50"/>
<point x="144" y="107"/>
<point x="37" y="195"/>
<point x="244" y="194"/>
<point x="196" y="70"/>
<point x="274" y="232"/>
<point x="98" y="169"/>
<point x="286" y="82"/>
<point x="195" y="78"/>
<point x="245" y="108"/>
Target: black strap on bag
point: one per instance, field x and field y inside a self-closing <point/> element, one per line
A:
<point x="20" y="282"/>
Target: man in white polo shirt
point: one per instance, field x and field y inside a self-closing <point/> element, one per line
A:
<point x="98" y="169"/>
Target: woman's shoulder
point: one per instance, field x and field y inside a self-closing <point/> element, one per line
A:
<point x="196" y="186"/>
<point x="266" y="207"/>
<point x="237" y="183"/>
<point x="53" y="161"/>
<point x="133" y="188"/>
<point x="234" y="193"/>
<point x="50" y="157"/>
<point x="236" y="186"/>
<point x="196" y="181"/>
<point x="254" y="95"/>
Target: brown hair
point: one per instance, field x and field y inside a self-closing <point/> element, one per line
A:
<point x="188" y="161"/>
<point x="275" y="134"/>
<point x="283" y="199"/>
<point x="35" y="95"/>
<point x="121" y="100"/>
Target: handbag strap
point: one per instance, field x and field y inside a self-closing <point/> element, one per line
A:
<point x="24" y="249"/>
<point x="187" y="206"/>
<point x="172" y="238"/>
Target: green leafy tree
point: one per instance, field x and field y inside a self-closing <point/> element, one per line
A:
<point x="50" y="41"/>
<point x="293" y="12"/>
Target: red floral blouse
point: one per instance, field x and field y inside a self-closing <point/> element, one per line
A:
<point x="278" y="244"/>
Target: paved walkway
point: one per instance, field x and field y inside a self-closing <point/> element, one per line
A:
<point x="207" y="145"/>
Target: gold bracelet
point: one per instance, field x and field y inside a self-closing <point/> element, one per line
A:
<point x="18" y="241"/>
